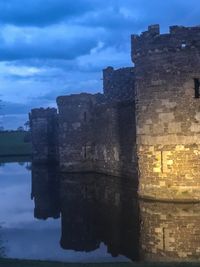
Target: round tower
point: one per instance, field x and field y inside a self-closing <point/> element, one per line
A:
<point x="167" y="81"/>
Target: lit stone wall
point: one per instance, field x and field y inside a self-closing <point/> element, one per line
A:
<point x="167" y="112"/>
<point x="169" y="232"/>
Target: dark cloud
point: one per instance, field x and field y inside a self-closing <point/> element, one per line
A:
<point x="14" y="108"/>
<point x="112" y="23"/>
<point x="42" y="12"/>
<point x="59" y="47"/>
<point x="124" y="17"/>
<point x="68" y="42"/>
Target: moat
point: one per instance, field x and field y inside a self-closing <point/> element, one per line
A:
<point x="89" y="218"/>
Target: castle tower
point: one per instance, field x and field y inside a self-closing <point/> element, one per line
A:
<point x="45" y="191"/>
<point x="75" y="132"/>
<point x="43" y="123"/>
<point x="169" y="232"/>
<point x="167" y="73"/>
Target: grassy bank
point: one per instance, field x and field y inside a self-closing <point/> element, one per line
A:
<point x="14" y="144"/>
<point x="26" y="263"/>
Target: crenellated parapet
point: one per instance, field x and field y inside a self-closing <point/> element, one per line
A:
<point x="43" y="113"/>
<point x="43" y="123"/>
<point x="151" y="42"/>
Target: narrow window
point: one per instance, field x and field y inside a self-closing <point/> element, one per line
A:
<point x="85" y="152"/>
<point x="85" y="116"/>
<point x="196" y="88"/>
<point x="163" y="230"/>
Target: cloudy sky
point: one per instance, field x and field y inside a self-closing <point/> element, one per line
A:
<point x="55" y="47"/>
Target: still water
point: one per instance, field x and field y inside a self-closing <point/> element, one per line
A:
<point x="89" y="218"/>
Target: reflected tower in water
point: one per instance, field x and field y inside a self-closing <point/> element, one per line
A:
<point x="45" y="191"/>
<point x="98" y="209"/>
<point x="169" y="231"/>
<point x="95" y="209"/>
<point x="79" y="226"/>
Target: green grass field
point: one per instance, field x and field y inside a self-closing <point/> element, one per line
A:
<point x="12" y="144"/>
<point x="21" y="263"/>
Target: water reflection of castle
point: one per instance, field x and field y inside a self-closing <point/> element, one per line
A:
<point x="45" y="191"/>
<point x="96" y="209"/>
<point x="170" y="231"/>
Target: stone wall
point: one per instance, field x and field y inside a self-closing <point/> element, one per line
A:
<point x="118" y="85"/>
<point x="114" y="139"/>
<point x="169" y="232"/>
<point x="167" y="71"/>
<point x="44" y="128"/>
<point x="75" y="132"/>
<point x="97" y="132"/>
<point x="96" y="136"/>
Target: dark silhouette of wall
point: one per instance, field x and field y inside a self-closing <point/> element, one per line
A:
<point x="44" y="134"/>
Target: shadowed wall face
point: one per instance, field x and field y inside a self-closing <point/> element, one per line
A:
<point x="167" y="72"/>
<point x="44" y="129"/>
<point x="96" y="137"/>
<point x="97" y="132"/>
<point x="119" y="85"/>
<point x="75" y="132"/>
<point x="114" y="139"/>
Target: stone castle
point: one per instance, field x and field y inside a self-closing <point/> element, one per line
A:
<point x="146" y="124"/>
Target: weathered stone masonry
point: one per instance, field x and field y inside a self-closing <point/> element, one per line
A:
<point x="96" y="136"/>
<point x="167" y="71"/>
<point x="75" y="132"/>
<point x="44" y="130"/>
<point x="169" y="231"/>
<point x="95" y="132"/>
<point x="118" y="85"/>
<point x="156" y="103"/>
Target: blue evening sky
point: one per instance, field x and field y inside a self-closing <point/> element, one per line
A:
<point x="55" y="47"/>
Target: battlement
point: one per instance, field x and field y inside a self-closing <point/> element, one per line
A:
<point x="42" y="113"/>
<point x="75" y="98"/>
<point x="118" y="85"/>
<point x="178" y="39"/>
